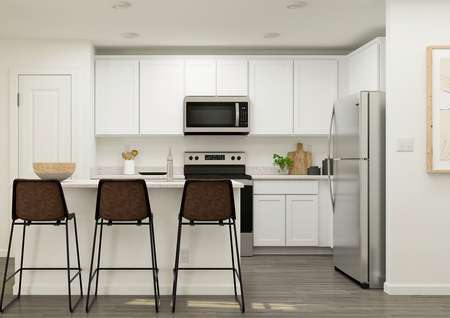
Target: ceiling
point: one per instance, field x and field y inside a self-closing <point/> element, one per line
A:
<point x="321" y="24"/>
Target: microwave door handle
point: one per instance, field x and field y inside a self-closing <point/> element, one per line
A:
<point x="236" y="105"/>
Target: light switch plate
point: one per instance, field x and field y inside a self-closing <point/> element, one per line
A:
<point x="405" y="145"/>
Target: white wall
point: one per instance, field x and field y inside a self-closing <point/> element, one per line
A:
<point x="154" y="150"/>
<point x="27" y="54"/>
<point x="418" y="204"/>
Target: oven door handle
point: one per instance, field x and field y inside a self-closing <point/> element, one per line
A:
<point x="236" y="107"/>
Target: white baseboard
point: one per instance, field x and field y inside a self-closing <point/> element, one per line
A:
<point x="127" y="289"/>
<point x="417" y="289"/>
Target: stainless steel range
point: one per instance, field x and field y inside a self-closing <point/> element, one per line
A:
<point x="226" y="165"/>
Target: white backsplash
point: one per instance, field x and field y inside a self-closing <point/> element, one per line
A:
<point x="154" y="150"/>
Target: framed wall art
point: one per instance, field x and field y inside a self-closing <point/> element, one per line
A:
<point x="438" y="109"/>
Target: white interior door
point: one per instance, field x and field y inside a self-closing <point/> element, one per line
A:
<point x="45" y="123"/>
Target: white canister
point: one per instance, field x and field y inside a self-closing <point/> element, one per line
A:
<point x="129" y="167"/>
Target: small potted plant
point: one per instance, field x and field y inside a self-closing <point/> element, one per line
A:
<point x="283" y="162"/>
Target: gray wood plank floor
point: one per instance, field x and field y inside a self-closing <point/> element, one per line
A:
<point x="275" y="286"/>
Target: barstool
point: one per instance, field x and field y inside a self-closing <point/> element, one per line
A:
<point x="122" y="202"/>
<point x="40" y="202"/>
<point x="209" y="202"/>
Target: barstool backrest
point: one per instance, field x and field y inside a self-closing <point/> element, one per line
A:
<point x="38" y="200"/>
<point x="122" y="200"/>
<point x="207" y="200"/>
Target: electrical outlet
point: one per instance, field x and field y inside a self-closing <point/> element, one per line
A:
<point x="405" y="145"/>
<point x="184" y="256"/>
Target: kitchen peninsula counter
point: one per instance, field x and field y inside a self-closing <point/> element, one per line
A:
<point x="128" y="246"/>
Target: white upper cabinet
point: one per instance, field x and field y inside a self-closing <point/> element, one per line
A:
<point x="200" y="78"/>
<point x="315" y="90"/>
<point x="117" y="96"/>
<point x="161" y="96"/>
<point x="271" y="96"/>
<point x="366" y="68"/>
<point x="232" y="77"/>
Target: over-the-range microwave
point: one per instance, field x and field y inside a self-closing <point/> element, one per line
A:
<point x="208" y="115"/>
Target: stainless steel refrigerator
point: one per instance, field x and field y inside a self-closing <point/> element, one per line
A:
<point x="357" y="186"/>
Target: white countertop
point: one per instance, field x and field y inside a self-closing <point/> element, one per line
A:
<point x="86" y="184"/>
<point x="138" y="176"/>
<point x="287" y="177"/>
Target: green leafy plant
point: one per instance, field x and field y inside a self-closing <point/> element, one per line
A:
<point x="281" y="161"/>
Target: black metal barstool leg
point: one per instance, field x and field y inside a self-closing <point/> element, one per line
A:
<point x="239" y="267"/>
<point x="21" y="261"/>
<point x="6" y="267"/>
<point x="155" y="276"/>
<point x="91" y="268"/>
<point x="175" y="270"/>
<point x="156" y="262"/>
<point x="232" y="259"/>
<point x="98" y="257"/>
<point x="78" y="255"/>
<point x="68" y="265"/>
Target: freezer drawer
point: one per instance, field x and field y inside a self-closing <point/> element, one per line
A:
<point x="351" y="218"/>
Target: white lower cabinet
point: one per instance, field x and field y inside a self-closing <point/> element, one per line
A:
<point x="286" y="213"/>
<point x="301" y="220"/>
<point x="269" y="220"/>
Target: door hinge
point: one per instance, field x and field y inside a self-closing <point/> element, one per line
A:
<point x="18" y="99"/>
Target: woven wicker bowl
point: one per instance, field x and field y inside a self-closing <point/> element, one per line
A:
<point x="54" y="170"/>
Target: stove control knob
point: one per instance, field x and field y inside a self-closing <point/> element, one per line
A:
<point x="196" y="157"/>
<point x="232" y="158"/>
<point x="238" y="157"/>
<point x="190" y="157"/>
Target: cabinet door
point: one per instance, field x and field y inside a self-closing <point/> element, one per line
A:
<point x="161" y="96"/>
<point x="232" y="78"/>
<point x="269" y="220"/>
<point x="364" y="69"/>
<point x="301" y="220"/>
<point x="200" y="77"/>
<point x="271" y="96"/>
<point x="315" y="90"/>
<point x="117" y="97"/>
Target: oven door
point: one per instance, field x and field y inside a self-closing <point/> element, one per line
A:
<point x="215" y="115"/>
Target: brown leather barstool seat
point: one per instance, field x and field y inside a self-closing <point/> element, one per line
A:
<point x="40" y="202"/>
<point x="209" y="202"/>
<point x="122" y="202"/>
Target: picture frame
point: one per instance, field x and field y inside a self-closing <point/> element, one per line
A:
<point x="438" y="109"/>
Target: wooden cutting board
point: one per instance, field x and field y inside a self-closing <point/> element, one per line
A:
<point x="302" y="160"/>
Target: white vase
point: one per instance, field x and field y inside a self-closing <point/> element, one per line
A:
<point x="129" y="167"/>
<point x="283" y="171"/>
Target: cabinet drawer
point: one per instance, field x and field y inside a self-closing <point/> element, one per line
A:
<point x="286" y="187"/>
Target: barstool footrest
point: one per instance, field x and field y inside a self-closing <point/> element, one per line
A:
<point x="12" y="275"/>
<point x="50" y="268"/>
<point x="206" y="269"/>
<point x="75" y="276"/>
<point x="128" y="269"/>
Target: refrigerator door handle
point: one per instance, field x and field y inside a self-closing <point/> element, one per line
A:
<point x="329" y="159"/>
